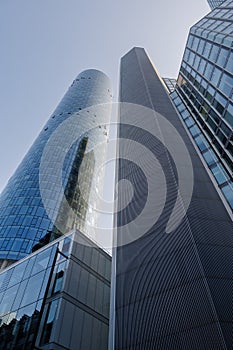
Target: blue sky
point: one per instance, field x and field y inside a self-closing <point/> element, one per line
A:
<point x="46" y="43"/>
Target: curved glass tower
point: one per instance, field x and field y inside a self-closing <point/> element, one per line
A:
<point x="51" y="190"/>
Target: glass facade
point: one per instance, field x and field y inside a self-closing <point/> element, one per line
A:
<point x="215" y="3"/>
<point x="172" y="290"/>
<point x="24" y="221"/>
<point x="170" y="84"/>
<point x="204" y="94"/>
<point x="57" y="297"/>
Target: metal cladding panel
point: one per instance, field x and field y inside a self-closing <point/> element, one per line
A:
<point x="169" y="284"/>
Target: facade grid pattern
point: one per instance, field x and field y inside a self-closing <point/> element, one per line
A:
<point x="170" y="84"/>
<point x="23" y="217"/>
<point x="63" y="283"/>
<point x="215" y="3"/>
<point x="205" y="87"/>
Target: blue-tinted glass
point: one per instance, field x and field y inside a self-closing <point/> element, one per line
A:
<point x="214" y="53"/>
<point x="216" y="76"/>
<point x="8" y="299"/>
<point x="186" y="55"/>
<point x="207" y="49"/>
<point x="28" y="311"/>
<point x="181" y="107"/>
<point x="43" y="260"/>
<point x="189" y="121"/>
<point x="201" y="143"/>
<point x="210" y="157"/>
<point x="19" y="295"/>
<point x="202" y="66"/>
<point x="51" y="313"/>
<point x="185" y="114"/>
<point x="201" y="46"/>
<point x="228" y="192"/>
<point x="33" y="288"/>
<point x="219" y="174"/>
<point x="229" y="65"/>
<point x="26" y="216"/>
<point x="221" y="136"/>
<point x="210" y="93"/>
<point x="226" y="84"/>
<point x="227" y="131"/>
<point x="208" y="70"/>
<point x="222" y="57"/>
<point x="45" y="283"/>
<point x="59" y="277"/>
<point x="194" y="130"/>
<point x="195" y="43"/>
<point x="190" y="40"/>
<point x="229" y="114"/>
<point x="219" y="103"/>
<point x="196" y="62"/>
<point x="191" y="58"/>
<point x="66" y="245"/>
<point x="18" y="273"/>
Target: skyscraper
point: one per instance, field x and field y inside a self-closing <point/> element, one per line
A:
<point x="49" y="195"/>
<point x="173" y="279"/>
<point x="215" y="3"/>
<point x="204" y="94"/>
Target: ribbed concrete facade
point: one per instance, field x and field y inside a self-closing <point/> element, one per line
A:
<point x="173" y="290"/>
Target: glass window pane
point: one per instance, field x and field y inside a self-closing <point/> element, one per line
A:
<point x="228" y="193"/>
<point x="33" y="288"/>
<point x="201" y="143"/>
<point x="219" y="174"/>
<point x="210" y="157"/>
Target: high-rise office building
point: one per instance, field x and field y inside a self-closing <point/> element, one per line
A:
<point x="204" y="94"/>
<point x="173" y="279"/>
<point x="215" y="3"/>
<point x="57" y="297"/>
<point x="49" y="195"/>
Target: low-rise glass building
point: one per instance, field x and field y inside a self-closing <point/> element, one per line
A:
<point x="57" y="297"/>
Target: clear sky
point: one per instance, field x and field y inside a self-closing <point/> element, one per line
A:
<point x="46" y="43"/>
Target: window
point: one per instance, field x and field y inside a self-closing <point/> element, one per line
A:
<point x="229" y="115"/>
<point x="59" y="277"/>
<point x="216" y="76"/>
<point x="219" y="174"/>
<point x="228" y="193"/>
<point x="194" y="130"/>
<point x="201" y="143"/>
<point x="48" y="325"/>
<point x="33" y="289"/>
<point x="229" y="65"/>
<point x="226" y="84"/>
<point x="210" y="157"/>
<point x="214" y="53"/>
<point x="222" y="57"/>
